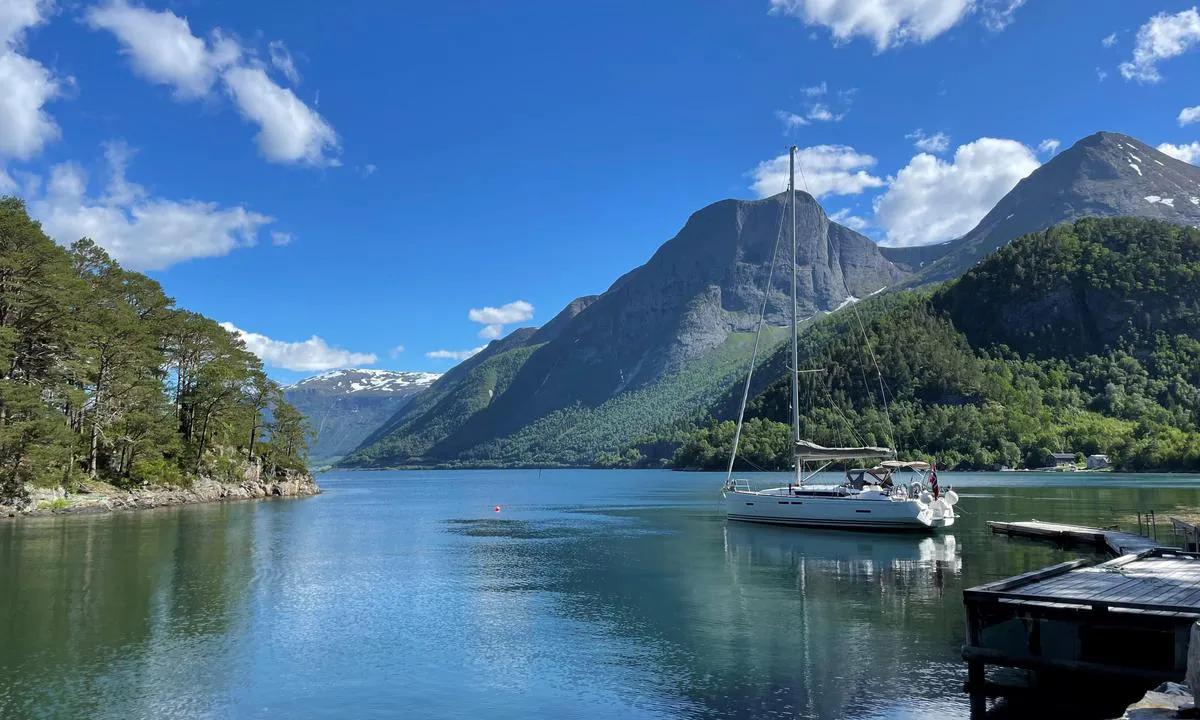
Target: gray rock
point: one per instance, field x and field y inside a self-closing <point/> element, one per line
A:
<point x="700" y="287"/>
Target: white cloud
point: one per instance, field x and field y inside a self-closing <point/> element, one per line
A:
<point x="162" y="48"/>
<point x="1187" y="116"/>
<point x="494" y="319"/>
<point x="1163" y="37"/>
<point x="26" y="86"/>
<point x="817" y="90"/>
<point x="142" y="232"/>
<point x="366" y="170"/>
<point x="998" y="14"/>
<point x="854" y="222"/>
<point x="17" y="16"/>
<point x="939" y="142"/>
<point x="1109" y="41"/>
<point x="821" y="113"/>
<point x="891" y="23"/>
<point x="1049" y="146"/>
<point x="454" y="354"/>
<point x="790" y="120"/>
<point x="1101" y="74"/>
<point x="310" y="355"/>
<point x="282" y="238"/>
<point x="282" y="61"/>
<point x="1187" y="153"/>
<point x="931" y="200"/>
<point x="823" y="169"/>
<point x="290" y="131"/>
<point x="396" y="351"/>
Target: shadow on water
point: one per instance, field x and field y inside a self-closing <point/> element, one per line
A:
<point x="116" y="598"/>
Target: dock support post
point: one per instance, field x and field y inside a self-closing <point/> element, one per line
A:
<point x="976" y="683"/>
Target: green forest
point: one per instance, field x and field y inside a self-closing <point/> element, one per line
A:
<point x="1084" y="338"/>
<point x="103" y="379"/>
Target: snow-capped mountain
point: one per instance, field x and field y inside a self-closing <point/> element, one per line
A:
<point x="367" y="381"/>
<point x="345" y="406"/>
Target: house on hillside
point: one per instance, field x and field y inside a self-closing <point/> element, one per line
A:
<point x="1098" y="462"/>
<point x="1055" y="460"/>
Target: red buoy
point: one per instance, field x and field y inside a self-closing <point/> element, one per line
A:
<point x="497" y="508"/>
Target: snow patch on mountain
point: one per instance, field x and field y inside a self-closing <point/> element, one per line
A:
<point x="368" y="380"/>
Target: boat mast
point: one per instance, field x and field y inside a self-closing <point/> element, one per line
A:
<point x="795" y="312"/>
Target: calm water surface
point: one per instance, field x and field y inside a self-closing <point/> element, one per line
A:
<point x="592" y="594"/>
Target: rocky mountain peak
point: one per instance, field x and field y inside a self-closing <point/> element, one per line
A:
<point x="1106" y="174"/>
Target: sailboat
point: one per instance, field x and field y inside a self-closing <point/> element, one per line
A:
<point x="869" y="499"/>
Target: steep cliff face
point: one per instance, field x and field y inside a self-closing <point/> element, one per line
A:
<point x="699" y="289"/>
<point x="1102" y="175"/>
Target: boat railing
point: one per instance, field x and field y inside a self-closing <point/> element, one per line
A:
<point x="741" y="485"/>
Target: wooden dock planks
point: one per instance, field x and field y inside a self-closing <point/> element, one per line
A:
<point x="1113" y="541"/>
<point x="1126" y="618"/>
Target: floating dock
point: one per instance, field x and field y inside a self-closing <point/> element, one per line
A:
<point x="1128" y="619"/>
<point x="1113" y="542"/>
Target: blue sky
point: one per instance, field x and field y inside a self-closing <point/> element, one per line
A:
<point x="380" y="175"/>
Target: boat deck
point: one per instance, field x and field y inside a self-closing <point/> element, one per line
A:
<point x="1112" y="541"/>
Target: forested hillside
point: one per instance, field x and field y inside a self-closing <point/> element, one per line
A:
<point x="102" y="378"/>
<point x="1082" y="338"/>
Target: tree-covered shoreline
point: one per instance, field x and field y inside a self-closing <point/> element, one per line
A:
<point x="1084" y="338"/>
<point x="103" y="379"/>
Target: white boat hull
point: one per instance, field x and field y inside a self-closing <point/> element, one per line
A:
<point x="846" y="512"/>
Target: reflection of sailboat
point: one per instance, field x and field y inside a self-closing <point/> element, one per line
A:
<point x="857" y="554"/>
<point x="869" y="500"/>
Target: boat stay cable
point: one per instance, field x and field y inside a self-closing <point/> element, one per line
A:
<point x="887" y="415"/>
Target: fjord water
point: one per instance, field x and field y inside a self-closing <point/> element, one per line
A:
<point x="591" y="594"/>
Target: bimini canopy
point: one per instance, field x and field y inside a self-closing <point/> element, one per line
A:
<point x="806" y="450"/>
<point x="901" y="465"/>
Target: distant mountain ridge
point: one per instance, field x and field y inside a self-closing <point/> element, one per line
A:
<point x="343" y="407"/>
<point x="666" y="341"/>
<point x="1103" y="175"/>
<point x="699" y="290"/>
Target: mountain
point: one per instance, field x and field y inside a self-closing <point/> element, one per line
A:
<point x="655" y="347"/>
<point x="1083" y="338"/>
<point x="1102" y="175"/>
<point x="343" y="407"/>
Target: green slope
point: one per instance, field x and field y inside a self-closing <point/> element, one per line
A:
<point x="1085" y="337"/>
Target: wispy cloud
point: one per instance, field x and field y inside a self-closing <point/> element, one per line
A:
<point x="936" y="143"/>
<point x="309" y="355"/>
<point x="1163" y="37"/>
<point x="827" y="170"/>
<point x="141" y="231"/>
<point x="163" y="49"/>
<point x="26" y="86"/>
<point x="1049" y="146"/>
<point x="459" y="355"/>
<point x="494" y="319"/>
<point x="892" y="23"/>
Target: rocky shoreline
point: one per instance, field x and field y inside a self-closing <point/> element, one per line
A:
<point x="106" y="498"/>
